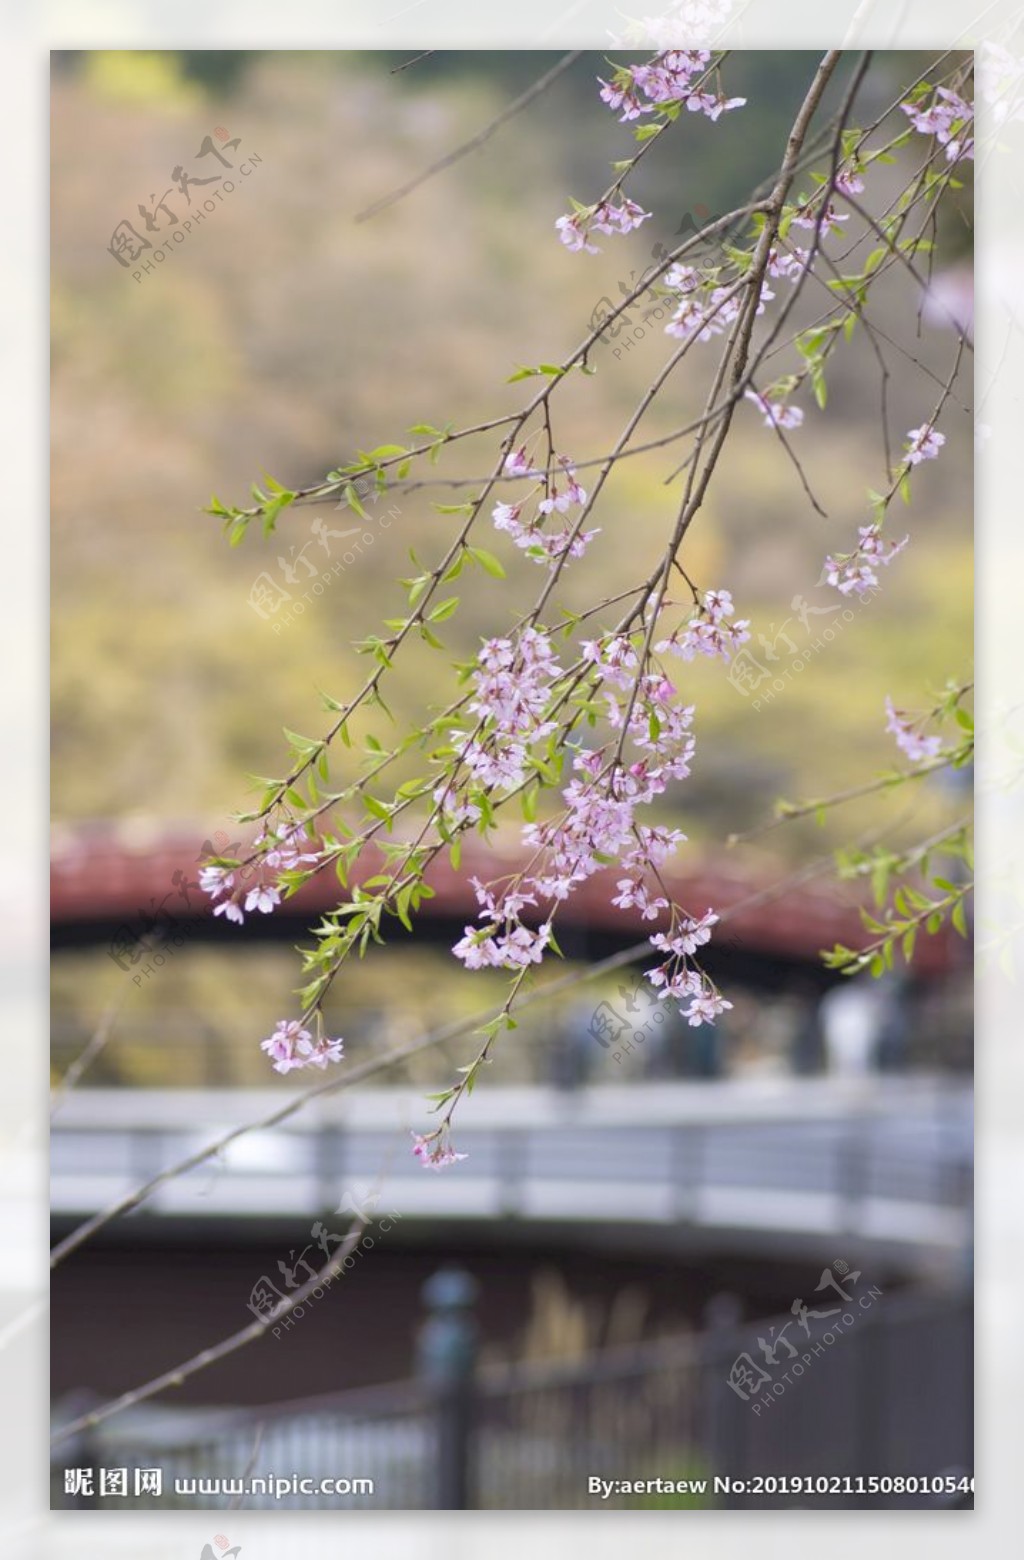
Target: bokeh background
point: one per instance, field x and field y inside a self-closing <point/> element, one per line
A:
<point x="282" y="336"/>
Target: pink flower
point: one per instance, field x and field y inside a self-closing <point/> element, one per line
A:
<point x="704" y="1009"/>
<point x="324" y="1052"/>
<point x="919" y="749"/>
<point x="574" y="228"/>
<point x="517" y="465"/>
<point x="849" y="181"/>
<point x="572" y="232"/>
<point x="709" y="632"/>
<point x="434" y="1152"/>
<point x="635" y="895"/>
<point x="262" y="898"/>
<point x="623" y="97"/>
<point x="215" y="880"/>
<point x="292" y="1046"/>
<point x="231" y="910"/>
<point x="712" y="104"/>
<point x="789" y="265"/>
<point x="776" y="413"/>
<point x="854" y="573"/>
<point x="923" y="443"/>
<point x="688" y="935"/>
<point x="286" y="846"/>
<point x="830" y="220"/>
<point x="947" y="117"/>
<point x="683" y="278"/>
<point x="476" y="949"/>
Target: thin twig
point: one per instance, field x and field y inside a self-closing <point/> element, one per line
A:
<point x="219" y="1351"/>
<point x="515" y="107"/>
<point x="85" y="1059"/>
<point x="395" y="69"/>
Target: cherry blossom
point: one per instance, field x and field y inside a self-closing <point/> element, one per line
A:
<point x="710" y="631"/>
<point x="777" y="414"/>
<point x="669" y="78"/>
<point x="855" y="573"/>
<point x="999" y="77"/>
<point x="849" y="181"/>
<point x="788" y="264"/>
<point x="705" y="1008"/>
<point x="827" y="220"/>
<point x="703" y="320"/>
<point x="634" y="894"/>
<point x="540" y="544"/>
<point x="263" y="898"/>
<point x="572" y="230"/>
<point x="216" y="880"/>
<point x="947" y="117"/>
<point x="686" y="21"/>
<point x="622" y="218"/>
<point x="575" y="227"/>
<point x="434" y="1152"/>
<point x="704" y="317"/>
<point x="517" y="465"/>
<point x="713" y="104"/>
<point x="289" y="847"/>
<point x="687" y="936"/>
<point x="292" y="1046"/>
<point x="918" y="748"/>
<point x="923" y="443"/>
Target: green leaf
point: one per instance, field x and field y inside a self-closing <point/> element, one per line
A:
<point x="303" y="744"/>
<point x="353" y="501"/>
<point x="818" y="384"/>
<point x="443" y="610"/>
<point x="487" y="561"/>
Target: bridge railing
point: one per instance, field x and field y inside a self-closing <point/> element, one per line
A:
<point x="884" y="1395"/>
<point x="892" y="1163"/>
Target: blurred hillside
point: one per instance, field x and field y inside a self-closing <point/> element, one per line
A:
<point x="283" y="335"/>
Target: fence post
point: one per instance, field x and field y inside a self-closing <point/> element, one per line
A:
<point x="723" y="1421"/>
<point x="79" y="1453"/>
<point x="446" y="1358"/>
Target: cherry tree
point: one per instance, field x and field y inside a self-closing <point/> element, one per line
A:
<point x="576" y="721"/>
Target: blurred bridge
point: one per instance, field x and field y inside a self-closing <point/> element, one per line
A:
<point x="109" y="883"/>
<point x="882" y="1164"/>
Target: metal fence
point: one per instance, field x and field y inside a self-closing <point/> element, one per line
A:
<point x="884" y="1394"/>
